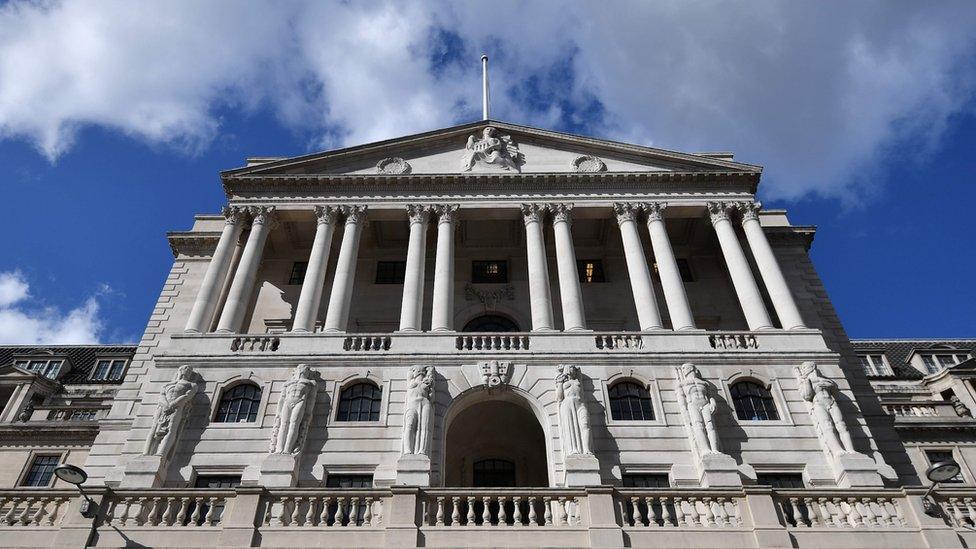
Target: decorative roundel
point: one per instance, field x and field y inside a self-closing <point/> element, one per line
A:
<point x="589" y="164"/>
<point x="393" y="166"/>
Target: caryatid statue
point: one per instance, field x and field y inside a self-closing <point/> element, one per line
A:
<point x="294" y="412"/>
<point x="698" y="407"/>
<point x="574" y="420"/>
<point x="496" y="151"/>
<point x="174" y="400"/>
<point x="818" y="391"/>
<point x="416" y="414"/>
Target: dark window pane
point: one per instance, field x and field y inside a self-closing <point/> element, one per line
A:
<point x="239" y="404"/>
<point x="118" y="366"/>
<point x="298" y="269"/>
<point x="349" y="481"/>
<point x="630" y="402"/>
<point x="684" y="268"/>
<point x="490" y="323"/>
<point x="783" y="481"/>
<point x="494" y="472"/>
<point x="360" y="402"/>
<point x="41" y="471"/>
<point x="646" y="480"/>
<point x="489" y="272"/>
<point x="391" y="272"/>
<point x="753" y="402"/>
<point x="101" y="370"/>
<point x="590" y="271"/>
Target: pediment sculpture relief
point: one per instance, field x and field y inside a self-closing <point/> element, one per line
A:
<point x="491" y="152"/>
<point x="393" y="166"/>
<point x="294" y="412"/>
<point x="589" y="164"/>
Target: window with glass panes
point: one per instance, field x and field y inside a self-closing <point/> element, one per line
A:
<point x="47" y="368"/>
<point x="935" y="362"/>
<point x="360" y="402"/>
<point x="239" y="404"/>
<point x="936" y="456"/>
<point x="82" y="415"/>
<point x="41" y="471"/>
<point x="630" y="402"/>
<point x="348" y="481"/>
<point x="489" y="272"/>
<point x="391" y="272"/>
<point x="783" y="481"/>
<point x="108" y="369"/>
<point x="874" y="365"/>
<point x="646" y="480"/>
<point x="590" y="271"/>
<point x="212" y="482"/>
<point x="753" y="402"/>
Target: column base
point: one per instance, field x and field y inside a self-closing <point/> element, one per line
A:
<point x="300" y="331"/>
<point x="333" y="331"/>
<point x="582" y="470"/>
<point x="224" y="331"/>
<point x="413" y="470"/>
<point x="279" y="471"/>
<point x="192" y="331"/>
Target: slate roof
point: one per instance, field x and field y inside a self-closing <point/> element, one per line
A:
<point x="897" y="351"/>
<point x="82" y="358"/>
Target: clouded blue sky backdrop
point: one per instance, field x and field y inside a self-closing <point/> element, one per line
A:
<point x="115" y="118"/>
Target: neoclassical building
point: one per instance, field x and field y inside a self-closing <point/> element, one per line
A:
<point x="491" y="335"/>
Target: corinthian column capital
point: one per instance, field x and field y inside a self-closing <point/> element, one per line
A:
<point x="533" y="213"/>
<point x="264" y="215"/>
<point x="719" y="211"/>
<point x="626" y="211"/>
<point x="326" y="215"/>
<point x="749" y="210"/>
<point x="354" y="214"/>
<point x="418" y="213"/>
<point x="655" y="210"/>
<point x="561" y="213"/>
<point x="234" y="215"/>
<point x="446" y="213"/>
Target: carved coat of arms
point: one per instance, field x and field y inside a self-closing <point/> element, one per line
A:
<point x="491" y="151"/>
<point x="494" y="373"/>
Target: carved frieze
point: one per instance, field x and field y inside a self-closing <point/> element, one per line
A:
<point x="489" y="297"/>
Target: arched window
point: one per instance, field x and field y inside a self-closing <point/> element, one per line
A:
<point x="360" y="402"/>
<point x="753" y="401"/>
<point x="490" y="323"/>
<point x="239" y="404"/>
<point x="630" y="402"/>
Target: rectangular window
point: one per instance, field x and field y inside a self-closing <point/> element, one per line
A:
<point x="82" y="415"/>
<point x="41" y="471"/>
<point x="590" y="271"/>
<point x="108" y="369"/>
<point x="217" y="481"/>
<point x="391" y="272"/>
<point x="646" y="480"/>
<point x="874" y="365"/>
<point x="349" y="481"/>
<point x="489" y="272"/>
<point x="935" y="456"/>
<point x="783" y="481"/>
<point x="46" y="368"/>
<point x="298" y="269"/>
<point x="930" y="365"/>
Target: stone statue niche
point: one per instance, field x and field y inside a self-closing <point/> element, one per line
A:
<point x="828" y="420"/>
<point x="417" y="412"/>
<point x="174" y="401"/>
<point x="574" y="420"/>
<point x="490" y="152"/>
<point x="294" y="414"/>
<point x="698" y="409"/>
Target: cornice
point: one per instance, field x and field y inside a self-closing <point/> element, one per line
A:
<point x="60" y="431"/>
<point x="799" y="235"/>
<point x="317" y="184"/>
<point x="193" y="244"/>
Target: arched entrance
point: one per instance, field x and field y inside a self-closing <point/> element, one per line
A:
<point x="491" y="323"/>
<point x="494" y="439"/>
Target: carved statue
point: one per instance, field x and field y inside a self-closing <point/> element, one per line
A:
<point x="174" y="400"/>
<point x="416" y="415"/>
<point x="294" y="412"/>
<point x="959" y="407"/>
<point x="574" y="420"/>
<point x="497" y="151"/>
<point x="698" y="408"/>
<point x="827" y="418"/>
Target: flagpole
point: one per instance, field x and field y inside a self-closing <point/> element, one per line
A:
<point x="484" y="86"/>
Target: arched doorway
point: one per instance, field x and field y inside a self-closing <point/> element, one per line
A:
<point x="491" y="323"/>
<point x="495" y="440"/>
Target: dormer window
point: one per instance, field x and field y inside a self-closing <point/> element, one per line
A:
<point x="935" y="362"/>
<point x="49" y="368"/>
<point x="874" y="364"/>
<point x="108" y="369"/>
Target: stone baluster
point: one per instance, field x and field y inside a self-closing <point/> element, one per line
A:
<point x="411" y="307"/>
<point x="324" y="514"/>
<point x="533" y="517"/>
<point x="708" y="517"/>
<point x="471" y="515"/>
<point x="571" y="296"/>
<point x="679" y="512"/>
<point x="455" y="511"/>
<point x="648" y="315"/>
<point x="769" y="269"/>
<point x="540" y="298"/>
<point x="502" y="515"/>
<point x="124" y="517"/>
<point x="957" y="514"/>
<point x="439" y="517"/>
<point x="692" y="517"/>
<point x="486" y="511"/>
<point x="368" y="512"/>
<point x="354" y="511"/>
<point x="517" y="511"/>
<point x="197" y="507"/>
<point x="181" y="515"/>
<point x="242" y="285"/>
<point x="812" y="513"/>
<point x="854" y="516"/>
<point x="547" y="513"/>
<point x="340" y="511"/>
<point x="721" y="513"/>
<point x="212" y="516"/>
<point x="310" y="298"/>
<point x="665" y="512"/>
<point x="309" y="519"/>
<point x="867" y="512"/>
<point x="442" y="311"/>
<point x="795" y="511"/>
<point x="201" y="315"/>
<point x="742" y="279"/>
<point x="636" y="518"/>
<point x="337" y="315"/>
<point x="679" y="309"/>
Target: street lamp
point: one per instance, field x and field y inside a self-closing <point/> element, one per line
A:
<point x="77" y="476"/>
<point x="938" y="472"/>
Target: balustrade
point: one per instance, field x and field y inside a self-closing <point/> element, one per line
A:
<point x="334" y="509"/>
<point x="255" y="344"/>
<point x="619" y="342"/>
<point x="367" y="343"/>
<point x="492" y="342"/>
<point x="665" y="509"/>
<point x="502" y="507"/>
<point x="800" y="510"/>
<point x="33" y="510"/>
<point x="732" y="341"/>
<point x="197" y="508"/>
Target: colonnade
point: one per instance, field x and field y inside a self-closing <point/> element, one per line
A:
<point x="628" y="215"/>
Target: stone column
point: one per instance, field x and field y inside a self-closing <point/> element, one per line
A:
<point x="569" y="286"/>
<point x="442" y="314"/>
<point x="772" y="275"/>
<point x="411" y="308"/>
<point x="242" y="287"/>
<point x="745" y="284"/>
<point x="667" y="268"/>
<point x="203" y="308"/>
<point x="337" y="317"/>
<point x="540" y="300"/>
<point x="318" y="261"/>
<point x="648" y="315"/>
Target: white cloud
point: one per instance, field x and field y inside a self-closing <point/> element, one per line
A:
<point x="22" y="321"/>
<point x="817" y="94"/>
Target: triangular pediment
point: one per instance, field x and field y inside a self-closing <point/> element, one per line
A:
<point x="504" y="148"/>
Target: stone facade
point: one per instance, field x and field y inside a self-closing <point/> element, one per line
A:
<point x="490" y="335"/>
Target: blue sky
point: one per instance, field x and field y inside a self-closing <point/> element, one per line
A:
<point x="113" y="130"/>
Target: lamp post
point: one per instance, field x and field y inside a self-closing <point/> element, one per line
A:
<point x="77" y="476"/>
<point x="937" y="473"/>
